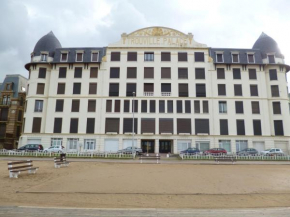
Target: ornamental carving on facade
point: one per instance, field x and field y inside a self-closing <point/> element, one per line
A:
<point x="157" y="31"/>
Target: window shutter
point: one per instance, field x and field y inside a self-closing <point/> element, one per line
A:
<point x="275" y="90"/>
<point x="169" y="106"/>
<point x="19" y="118"/>
<point x="182" y="73"/>
<point x="117" y="105"/>
<point x="148" y="72"/>
<point x="219" y="58"/>
<point x="183" y="125"/>
<point x="252" y="74"/>
<point x="182" y="57"/>
<point x="78" y="72"/>
<point x="199" y="57"/>
<point x="220" y="73"/>
<point x="92" y="105"/>
<point x="131" y="87"/>
<point x="200" y="90"/>
<point x="273" y="74"/>
<point x="135" y="106"/>
<point x="257" y="127"/>
<point x="199" y="73"/>
<point x="114" y="89"/>
<point x="114" y="72"/>
<point x="239" y="107"/>
<point x="109" y="106"/>
<point x="161" y="106"/>
<point x="179" y="106"/>
<point x="112" y="125"/>
<point x="95" y="57"/>
<point x="183" y="90"/>
<point x="94" y="72"/>
<point x="77" y="88"/>
<point x="148" y="125"/>
<point x="115" y="56"/>
<point x="238" y="90"/>
<point x="74" y="125"/>
<point x="62" y="72"/>
<point x="196" y="106"/>
<point x="165" y="72"/>
<point x="152" y="106"/>
<point x="93" y="88"/>
<point x="235" y="58"/>
<point x="61" y="88"/>
<point x="278" y="125"/>
<point x="59" y="105"/>
<point x="205" y="107"/>
<point x="132" y="56"/>
<point x="165" y="56"/>
<point x="42" y="73"/>
<point x="201" y="126"/>
<point x="165" y="125"/>
<point x="90" y="125"/>
<point x="271" y="58"/>
<point x="237" y="73"/>
<point x="148" y="87"/>
<point x="57" y="125"/>
<point x="79" y="56"/>
<point x="64" y="57"/>
<point x="128" y="125"/>
<point x="276" y="108"/>
<point x="126" y="105"/>
<point x="240" y="127"/>
<point x="255" y="108"/>
<point x="166" y="87"/>
<point x="187" y="106"/>
<point x="224" y="127"/>
<point x="221" y="89"/>
<point x="144" y="106"/>
<point x="36" y="125"/>
<point x="254" y="90"/>
<point x="75" y="107"/>
<point x="250" y="58"/>
<point x="40" y="88"/>
<point x="131" y="72"/>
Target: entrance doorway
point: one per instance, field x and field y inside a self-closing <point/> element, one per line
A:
<point x="147" y="146"/>
<point x="164" y="146"/>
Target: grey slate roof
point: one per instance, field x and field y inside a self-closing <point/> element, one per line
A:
<point x="227" y="54"/>
<point x="267" y="45"/>
<point x="15" y="81"/>
<point x="47" y="43"/>
<point x="72" y="54"/>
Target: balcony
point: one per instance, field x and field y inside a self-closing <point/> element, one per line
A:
<point x="165" y="93"/>
<point x="5" y="103"/>
<point x="148" y="93"/>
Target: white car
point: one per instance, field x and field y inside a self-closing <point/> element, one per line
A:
<point x="56" y="149"/>
<point x="272" y="151"/>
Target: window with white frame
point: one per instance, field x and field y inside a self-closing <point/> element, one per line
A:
<point x="38" y="107"/>
<point x="251" y="58"/>
<point x="64" y="57"/>
<point x="95" y="56"/>
<point x="225" y="144"/>
<point x="79" y="56"/>
<point x="56" y="141"/>
<point x="241" y="145"/>
<point x="235" y="58"/>
<point x="90" y="144"/>
<point x="72" y="144"/>
<point x="219" y="58"/>
<point x="223" y="107"/>
<point x="43" y="57"/>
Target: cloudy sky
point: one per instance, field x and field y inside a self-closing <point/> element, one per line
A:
<point x="80" y="23"/>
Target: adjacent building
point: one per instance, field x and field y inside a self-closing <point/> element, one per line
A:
<point x="183" y="94"/>
<point x="12" y="101"/>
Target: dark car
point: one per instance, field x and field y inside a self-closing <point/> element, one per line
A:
<point x="31" y="147"/>
<point x="247" y="152"/>
<point x="190" y="151"/>
<point x="215" y="151"/>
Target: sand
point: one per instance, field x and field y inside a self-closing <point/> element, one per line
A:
<point x="113" y="185"/>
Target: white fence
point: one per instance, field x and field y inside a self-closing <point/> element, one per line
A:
<point x="237" y="157"/>
<point x="68" y="154"/>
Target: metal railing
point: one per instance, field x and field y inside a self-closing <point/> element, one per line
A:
<point x="148" y="93"/>
<point x="5" y="103"/>
<point x="165" y="93"/>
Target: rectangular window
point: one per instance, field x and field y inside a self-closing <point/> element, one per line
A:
<point x="165" y="88"/>
<point x="220" y="73"/>
<point x="241" y="127"/>
<point x="91" y="105"/>
<point x="19" y="118"/>
<point x="205" y="107"/>
<point x="59" y="105"/>
<point x="62" y="72"/>
<point x="128" y="125"/>
<point x="4" y="114"/>
<point x="117" y="105"/>
<point x="135" y="106"/>
<point x="255" y="107"/>
<point x="77" y="88"/>
<point x="38" y="106"/>
<point x="254" y="90"/>
<point x="165" y="72"/>
<point x="112" y="125"/>
<point x="148" y="56"/>
<point x="131" y="88"/>
<point x="144" y="106"/>
<point x="219" y="58"/>
<point x="131" y="72"/>
<point x="221" y="89"/>
<point x="169" y="106"/>
<point x="148" y="125"/>
<point x="43" y="57"/>
<point x="90" y="125"/>
<point x="115" y="56"/>
<point x="78" y="72"/>
<point x="148" y="72"/>
<point x="94" y="72"/>
<point x="109" y="106"/>
<point x="57" y="125"/>
<point x="74" y="125"/>
<point x="238" y="90"/>
<point x="148" y="87"/>
<point x="199" y="73"/>
<point x="271" y="58"/>
<point x="61" y="88"/>
<point x="75" y="106"/>
<point x="252" y="74"/>
<point x="196" y="106"/>
<point x="42" y="73"/>
<point x="273" y="74"/>
<point x="278" y="126"/>
<point x="257" y="127"/>
<point x="237" y="73"/>
<point x="95" y="56"/>
<point x="165" y="56"/>
<point x="223" y="107"/>
<point x="161" y="106"/>
<point x="114" y="89"/>
<point x="239" y="107"/>
<point x="182" y="73"/>
<point x="79" y="57"/>
<point x="182" y="57"/>
<point x="187" y="106"/>
<point x="275" y="90"/>
<point x="114" y="72"/>
<point x="183" y="125"/>
<point x="183" y="90"/>
<point x="251" y="58"/>
<point x="40" y="88"/>
<point x="179" y="106"/>
<point x="132" y="56"/>
<point x="276" y="108"/>
<point x="200" y="90"/>
<point x="165" y="125"/>
<point x="224" y="127"/>
<point x="93" y="88"/>
<point x="201" y="126"/>
<point x="235" y="58"/>
<point x="198" y="56"/>
<point x="152" y="106"/>
<point x="64" y="57"/>
<point x="36" y="125"/>
<point x="126" y="105"/>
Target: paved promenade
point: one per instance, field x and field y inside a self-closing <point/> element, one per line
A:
<point x="10" y="211"/>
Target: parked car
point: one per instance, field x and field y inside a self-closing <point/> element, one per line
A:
<point x="272" y="151"/>
<point x="31" y="147"/>
<point x="55" y="148"/>
<point x="190" y="151"/>
<point x="247" y="151"/>
<point x="128" y="150"/>
<point x="215" y="151"/>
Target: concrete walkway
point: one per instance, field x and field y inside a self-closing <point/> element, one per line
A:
<point x="8" y="211"/>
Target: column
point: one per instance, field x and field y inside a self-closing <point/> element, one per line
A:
<point x="174" y="146"/>
<point x="156" y="148"/>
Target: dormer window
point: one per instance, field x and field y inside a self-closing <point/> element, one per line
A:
<point x="79" y="57"/>
<point x="64" y="57"/>
<point x="251" y="58"/>
<point x="8" y="87"/>
<point x="95" y="56"/>
<point x="219" y="58"/>
<point x="43" y="57"/>
<point x="271" y="58"/>
<point x="235" y="58"/>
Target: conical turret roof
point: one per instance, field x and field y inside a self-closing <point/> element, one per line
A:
<point x="47" y="43"/>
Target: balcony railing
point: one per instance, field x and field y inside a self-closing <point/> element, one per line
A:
<point x="5" y="103"/>
<point x="148" y="93"/>
<point x="165" y="93"/>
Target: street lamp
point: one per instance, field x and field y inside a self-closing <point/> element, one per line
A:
<point x="133" y="125"/>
